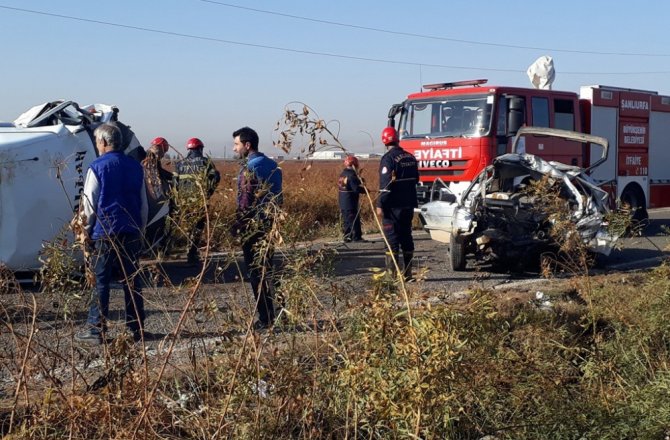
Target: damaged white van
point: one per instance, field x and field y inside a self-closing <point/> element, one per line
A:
<point x="44" y="155"/>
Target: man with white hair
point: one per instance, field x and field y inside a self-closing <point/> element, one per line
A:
<point x="115" y="209"/>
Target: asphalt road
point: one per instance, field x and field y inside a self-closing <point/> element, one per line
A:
<point x="646" y="250"/>
<point x="356" y="261"/>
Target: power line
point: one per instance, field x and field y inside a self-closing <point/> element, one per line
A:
<point x="430" y="37"/>
<point x="299" y="51"/>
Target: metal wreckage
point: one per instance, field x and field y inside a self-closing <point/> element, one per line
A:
<point x="498" y="219"/>
<point x="44" y="155"/>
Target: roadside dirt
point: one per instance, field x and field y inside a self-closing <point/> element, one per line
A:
<point x="37" y="348"/>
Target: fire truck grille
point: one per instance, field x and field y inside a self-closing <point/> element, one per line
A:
<point x="441" y="172"/>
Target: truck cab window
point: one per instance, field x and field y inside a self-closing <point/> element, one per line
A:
<point x="540" y="109"/>
<point x="458" y="116"/>
<point x="564" y="114"/>
<point x="420" y="120"/>
<point x="501" y="123"/>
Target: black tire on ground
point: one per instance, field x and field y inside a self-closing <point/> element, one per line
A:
<point x="457" y="252"/>
<point x="635" y="199"/>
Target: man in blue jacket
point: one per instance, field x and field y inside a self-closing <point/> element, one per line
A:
<point x="259" y="193"/>
<point x="115" y="207"/>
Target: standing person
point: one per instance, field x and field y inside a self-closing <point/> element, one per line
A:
<point x="195" y="167"/>
<point x="349" y="188"/>
<point x="158" y="182"/>
<point x="115" y="206"/>
<point x="398" y="177"/>
<point x="259" y="191"/>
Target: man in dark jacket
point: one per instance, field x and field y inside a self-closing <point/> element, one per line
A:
<point x="349" y="189"/>
<point x="259" y="193"/>
<point x="115" y="208"/>
<point x="398" y="177"/>
<point x="195" y="167"/>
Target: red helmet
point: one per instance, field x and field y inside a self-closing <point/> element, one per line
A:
<point x="389" y="136"/>
<point x="162" y="143"/>
<point x="351" y="161"/>
<point x="194" y="144"/>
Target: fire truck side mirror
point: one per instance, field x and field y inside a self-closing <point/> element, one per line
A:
<point x="515" y="114"/>
<point x="394" y="110"/>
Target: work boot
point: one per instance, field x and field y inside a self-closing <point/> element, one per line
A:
<point x="408" y="258"/>
<point x="390" y="266"/>
<point x="192" y="258"/>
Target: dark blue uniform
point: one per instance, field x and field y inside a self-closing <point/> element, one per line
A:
<point x="195" y="165"/>
<point x="349" y="188"/>
<point x="189" y="170"/>
<point x="398" y="177"/>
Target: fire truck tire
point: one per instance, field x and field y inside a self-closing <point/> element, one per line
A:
<point x="634" y="197"/>
<point x="457" y="253"/>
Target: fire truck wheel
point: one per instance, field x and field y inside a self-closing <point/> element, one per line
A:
<point x="457" y="252"/>
<point x="633" y="197"/>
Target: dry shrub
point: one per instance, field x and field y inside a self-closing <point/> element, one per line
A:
<point x="310" y="196"/>
<point x="310" y="187"/>
<point x="8" y="282"/>
<point x="551" y="202"/>
<point x="62" y="273"/>
<point x="595" y="369"/>
<point x="61" y="261"/>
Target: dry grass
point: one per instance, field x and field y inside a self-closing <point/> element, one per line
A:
<point x="588" y="361"/>
<point x="502" y="365"/>
<point x="310" y="194"/>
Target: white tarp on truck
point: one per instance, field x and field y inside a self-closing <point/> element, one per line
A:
<point x="44" y="155"/>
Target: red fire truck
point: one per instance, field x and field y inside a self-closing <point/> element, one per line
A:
<point x="456" y="129"/>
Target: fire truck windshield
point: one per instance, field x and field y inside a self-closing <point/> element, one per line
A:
<point x="447" y="116"/>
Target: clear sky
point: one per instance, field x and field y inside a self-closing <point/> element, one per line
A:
<point x="204" y="68"/>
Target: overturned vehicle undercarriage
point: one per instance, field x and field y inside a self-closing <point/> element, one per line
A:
<point x="522" y="207"/>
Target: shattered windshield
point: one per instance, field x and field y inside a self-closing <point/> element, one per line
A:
<point x="453" y="116"/>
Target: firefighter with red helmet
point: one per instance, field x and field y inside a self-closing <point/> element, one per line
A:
<point x="349" y="188"/>
<point x="195" y="167"/>
<point x="398" y="177"/>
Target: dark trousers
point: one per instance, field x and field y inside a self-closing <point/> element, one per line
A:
<point x="351" y="224"/>
<point x="258" y="264"/>
<point x="397" y="225"/>
<point x="195" y="236"/>
<point x="119" y="251"/>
